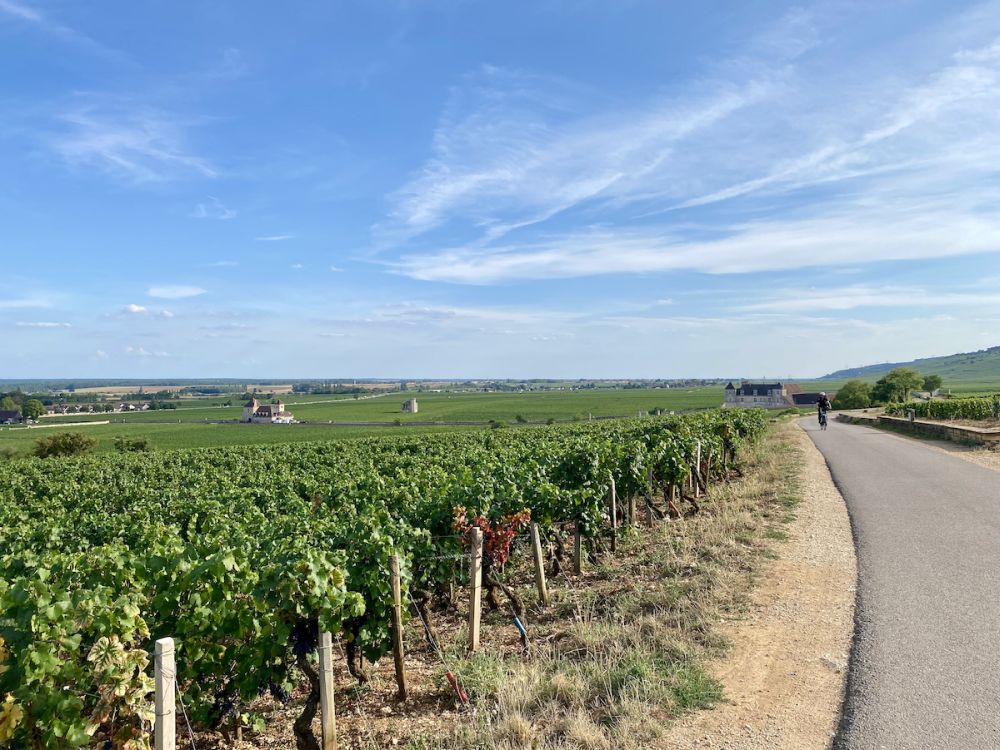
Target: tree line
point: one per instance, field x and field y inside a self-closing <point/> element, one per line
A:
<point x="892" y="388"/>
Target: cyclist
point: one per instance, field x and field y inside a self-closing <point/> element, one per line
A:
<point x="823" y="405"/>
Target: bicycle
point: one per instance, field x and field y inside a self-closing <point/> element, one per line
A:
<point x="822" y="419"/>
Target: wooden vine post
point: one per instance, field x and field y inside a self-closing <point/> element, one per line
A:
<point x="649" y="498"/>
<point x="475" y="587"/>
<point x="397" y="627"/>
<point x="578" y="551"/>
<point x="327" y="711"/>
<point x="672" y="500"/>
<point x="536" y="551"/>
<point x="165" y="686"/>
<point x="613" y="505"/>
<point x="697" y="468"/>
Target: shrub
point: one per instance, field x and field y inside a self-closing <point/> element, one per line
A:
<point x="127" y="444"/>
<point x="7" y="452"/>
<point x="855" y="394"/>
<point x="521" y="419"/>
<point x="64" y="444"/>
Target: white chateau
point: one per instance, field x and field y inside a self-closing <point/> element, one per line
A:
<point x="410" y="406"/>
<point x="272" y="413"/>
<point x="768" y="396"/>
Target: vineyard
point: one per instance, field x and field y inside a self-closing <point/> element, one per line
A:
<point x="981" y="407"/>
<point x="245" y="555"/>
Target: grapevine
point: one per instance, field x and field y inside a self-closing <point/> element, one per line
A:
<point x="244" y="554"/>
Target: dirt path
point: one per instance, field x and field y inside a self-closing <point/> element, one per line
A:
<point x="784" y="677"/>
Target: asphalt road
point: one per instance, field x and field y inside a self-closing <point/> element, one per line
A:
<point x="925" y="667"/>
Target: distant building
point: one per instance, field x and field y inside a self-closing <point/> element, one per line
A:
<point x="11" y="417"/>
<point x="410" y="406"/>
<point x="255" y="412"/>
<point x="759" y="395"/>
<point x="768" y="396"/>
<point x="809" y="399"/>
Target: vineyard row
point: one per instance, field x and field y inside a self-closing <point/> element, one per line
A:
<point x="246" y="555"/>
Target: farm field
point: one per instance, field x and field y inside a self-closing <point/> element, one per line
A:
<point x="211" y="408"/>
<point x="244" y="554"/>
<point x="479" y="407"/>
<point x="195" y="435"/>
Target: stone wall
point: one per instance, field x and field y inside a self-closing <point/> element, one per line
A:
<point x="926" y="428"/>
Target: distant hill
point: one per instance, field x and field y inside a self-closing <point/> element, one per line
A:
<point x="968" y="367"/>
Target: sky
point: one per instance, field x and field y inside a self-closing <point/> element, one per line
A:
<point x="448" y="188"/>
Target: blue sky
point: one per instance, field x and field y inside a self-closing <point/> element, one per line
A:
<point x="481" y="189"/>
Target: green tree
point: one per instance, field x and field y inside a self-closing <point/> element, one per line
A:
<point x="855" y="394"/>
<point x="896" y="386"/>
<point x="9" y="404"/>
<point x="64" y="444"/>
<point x="932" y="382"/>
<point x="33" y="409"/>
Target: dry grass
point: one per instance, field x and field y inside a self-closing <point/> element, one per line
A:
<point x="621" y="650"/>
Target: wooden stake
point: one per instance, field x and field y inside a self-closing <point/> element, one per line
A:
<point x="397" y="627"/>
<point x="632" y="519"/>
<point x="536" y="550"/>
<point x="708" y="469"/>
<point x="672" y="501"/>
<point x="649" y="497"/>
<point x="327" y="712"/>
<point x="578" y="551"/>
<point x="475" y="587"/>
<point x="697" y="468"/>
<point x="613" y="502"/>
<point x="165" y="686"/>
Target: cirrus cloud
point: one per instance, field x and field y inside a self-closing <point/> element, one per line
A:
<point x="175" y="291"/>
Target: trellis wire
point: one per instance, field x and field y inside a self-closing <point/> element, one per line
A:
<point x="462" y="696"/>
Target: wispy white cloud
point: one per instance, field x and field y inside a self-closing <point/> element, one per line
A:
<point x="275" y="238"/>
<point x="223" y="264"/>
<point x="514" y="150"/>
<point x="175" y="291"/>
<point x="870" y="296"/>
<point x="36" y="18"/>
<point x="893" y="166"/>
<point x="24" y="302"/>
<point x="23" y="12"/>
<point x="134" y="309"/>
<point x="129" y="140"/>
<point x="296" y="266"/>
<point x="42" y="324"/>
<point x="213" y="208"/>
<point x="894" y="137"/>
<point x="880" y="233"/>
<point x="140" y="351"/>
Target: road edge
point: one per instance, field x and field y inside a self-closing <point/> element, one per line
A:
<point x="785" y="676"/>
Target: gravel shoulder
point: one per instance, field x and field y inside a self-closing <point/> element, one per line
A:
<point x="785" y="673"/>
<point x="989" y="459"/>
